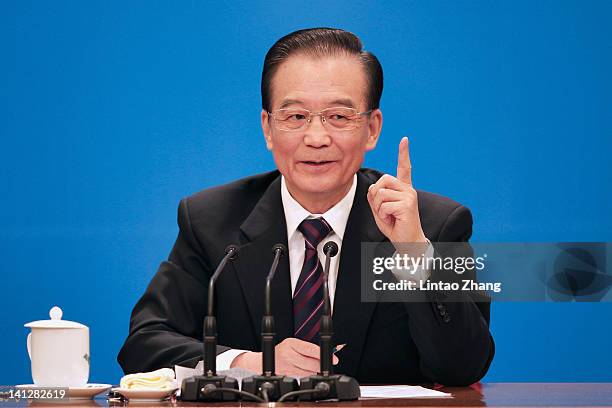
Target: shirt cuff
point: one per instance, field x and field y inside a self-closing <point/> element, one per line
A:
<point x="419" y="274"/>
<point x="225" y="359"/>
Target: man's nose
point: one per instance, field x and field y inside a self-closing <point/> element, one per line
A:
<point x="315" y="134"/>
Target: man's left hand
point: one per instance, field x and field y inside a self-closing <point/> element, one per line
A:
<point x="394" y="202"/>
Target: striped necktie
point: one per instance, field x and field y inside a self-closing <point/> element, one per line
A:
<point x="308" y="295"/>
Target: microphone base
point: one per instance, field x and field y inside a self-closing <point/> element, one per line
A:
<point x="280" y="385"/>
<point x="341" y="387"/>
<point x="192" y="388"/>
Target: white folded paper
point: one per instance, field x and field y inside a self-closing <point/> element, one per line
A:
<point x="162" y="379"/>
<point x="400" y="391"/>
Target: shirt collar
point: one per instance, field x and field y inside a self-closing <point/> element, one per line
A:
<point x="336" y="217"/>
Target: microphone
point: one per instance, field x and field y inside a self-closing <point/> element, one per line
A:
<point x="330" y="249"/>
<point x="268" y="385"/>
<point x="210" y="386"/>
<point x="326" y="384"/>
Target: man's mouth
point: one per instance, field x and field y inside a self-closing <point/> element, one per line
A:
<point x="317" y="162"/>
<point x="317" y="165"/>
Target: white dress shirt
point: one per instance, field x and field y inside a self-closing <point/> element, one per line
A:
<point x="337" y="218"/>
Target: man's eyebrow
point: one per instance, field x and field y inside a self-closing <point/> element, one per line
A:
<point x="288" y="102"/>
<point x="343" y="102"/>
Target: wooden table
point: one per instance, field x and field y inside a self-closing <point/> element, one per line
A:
<point x="478" y="395"/>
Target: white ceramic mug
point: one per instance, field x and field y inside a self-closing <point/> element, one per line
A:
<point x="59" y="352"/>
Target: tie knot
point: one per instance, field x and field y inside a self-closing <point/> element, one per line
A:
<point x="314" y="230"/>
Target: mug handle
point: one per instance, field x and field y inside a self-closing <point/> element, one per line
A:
<point x="29" y="345"/>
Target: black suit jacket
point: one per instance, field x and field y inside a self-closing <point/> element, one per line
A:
<point x="386" y="342"/>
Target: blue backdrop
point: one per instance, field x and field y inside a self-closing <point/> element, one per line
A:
<point x="112" y="111"/>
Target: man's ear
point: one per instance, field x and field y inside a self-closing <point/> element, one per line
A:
<point x="266" y="128"/>
<point x="374" y="128"/>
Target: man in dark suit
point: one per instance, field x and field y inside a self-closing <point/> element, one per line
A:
<point x="320" y="97"/>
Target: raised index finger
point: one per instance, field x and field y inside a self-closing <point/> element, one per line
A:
<point x="404" y="167"/>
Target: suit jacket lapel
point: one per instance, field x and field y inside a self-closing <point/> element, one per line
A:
<point x="351" y="316"/>
<point x="262" y="229"/>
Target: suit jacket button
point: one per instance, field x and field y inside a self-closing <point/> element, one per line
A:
<point x="446" y="318"/>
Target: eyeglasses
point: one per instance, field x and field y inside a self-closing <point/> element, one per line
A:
<point x="340" y="118"/>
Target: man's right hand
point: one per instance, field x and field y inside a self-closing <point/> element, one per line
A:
<point x="293" y="357"/>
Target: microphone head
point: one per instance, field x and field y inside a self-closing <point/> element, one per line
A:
<point x="330" y="248"/>
<point x="234" y="249"/>
<point x="280" y="248"/>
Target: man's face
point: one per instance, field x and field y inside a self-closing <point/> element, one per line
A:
<point x="318" y="162"/>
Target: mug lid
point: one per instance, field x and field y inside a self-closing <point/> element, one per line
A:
<point x="56" y="321"/>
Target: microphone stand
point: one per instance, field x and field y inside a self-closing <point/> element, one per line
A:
<point x="268" y="385"/>
<point x="326" y="384"/>
<point x="210" y="386"/>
